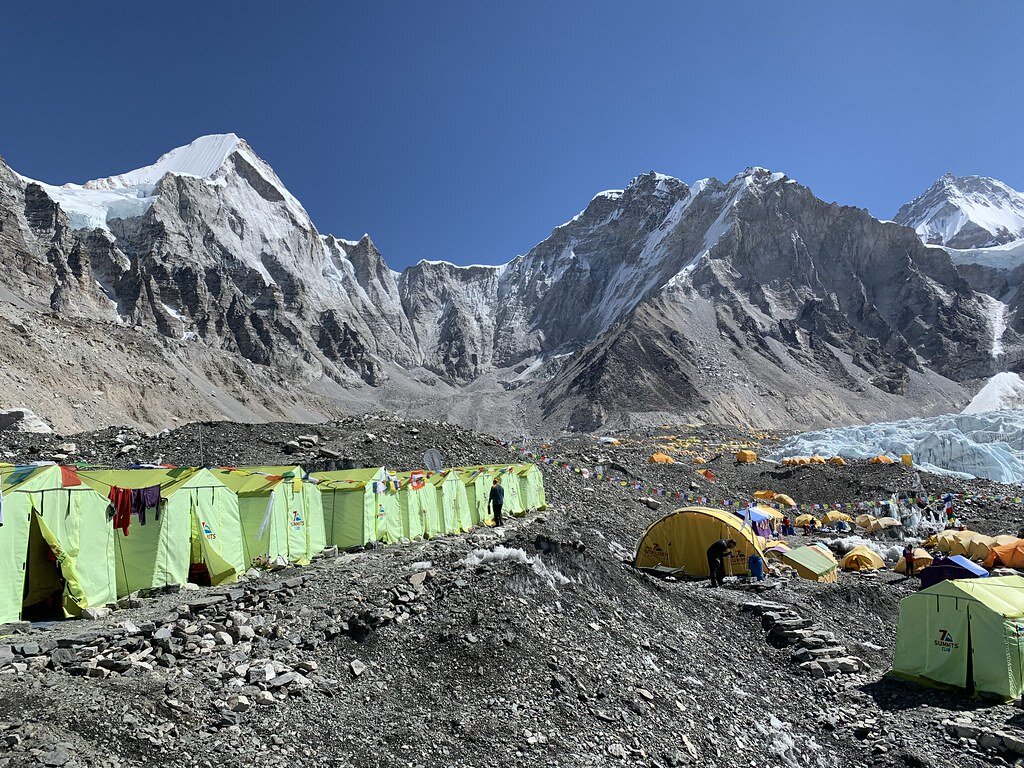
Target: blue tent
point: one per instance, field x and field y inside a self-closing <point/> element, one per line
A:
<point x="759" y="521"/>
<point x="954" y="567"/>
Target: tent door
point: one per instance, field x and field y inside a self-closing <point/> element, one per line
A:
<point x="44" y="583"/>
<point x="198" y="572"/>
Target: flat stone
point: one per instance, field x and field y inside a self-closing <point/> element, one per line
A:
<point x="282" y="680"/>
<point x="357" y="667"/>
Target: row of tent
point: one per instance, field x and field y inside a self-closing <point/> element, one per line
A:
<point x="60" y="550"/>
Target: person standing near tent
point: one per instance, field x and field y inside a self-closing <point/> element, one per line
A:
<point x="716" y="560"/>
<point x="787" y="526"/>
<point x="496" y="501"/>
<point x="908" y="558"/>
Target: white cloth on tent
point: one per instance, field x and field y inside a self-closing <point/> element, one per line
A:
<point x="266" y="516"/>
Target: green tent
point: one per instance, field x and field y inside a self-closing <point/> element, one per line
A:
<point x="419" y="506"/>
<point x="481" y="478"/>
<point x="55" y="540"/>
<point x="281" y="514"/>
<point x="477" y="482"/>
<point x="195" y="530"/>
<point x="811" y="562"/>
<point x="453" y="500"/>
<point x="531" y="487"/>
<point x="360" y="507"/>
<point x="965" y="633"/>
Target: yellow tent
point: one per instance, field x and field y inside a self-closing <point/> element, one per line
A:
<point x="833" y="516"/>
<point x="882" y="523"/>
<point x="746" y="457"/>
<point x="764" y="495"/>
<point x="945" y="541"/>
<point x="861" y="559"/>
<point x="921" y="560"/>
<point x="661" y="458"/>
<point x="817" y="460"/>
<point x="973" y="545"/>
<point x="906" y="460"/>
<point x="681" y="540"/>
<point x="784" y="500"/>
<point x="881" y="460"/>
<point x="838" y="461"/>
<point x="802" y="520"/>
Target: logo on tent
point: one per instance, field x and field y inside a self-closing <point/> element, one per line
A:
<point x="297" y="520"/>
<point x="207" y="530"/>
<point x="945" y="641"/>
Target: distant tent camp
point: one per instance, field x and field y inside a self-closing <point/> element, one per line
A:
<point x="810" y="563"/>
<point x="921" y="561"/>
<point x="947" y="568"/>
<point x="280" y="512"/>
<point x="861" y="558"/>
<point x="193" y="535"/>
<point x="681" y="540"/>
<point x="1009" y="555"/>
<point x="56" y="545"/>
<point x="360" y="507"/>
<point x="965" y="633"/>
<point x="531" y="487"/>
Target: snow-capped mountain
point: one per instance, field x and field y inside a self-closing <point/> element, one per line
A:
<point x="203" y="287"/>
<point x="966" y="212"/>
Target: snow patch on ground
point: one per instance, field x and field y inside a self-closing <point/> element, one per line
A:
<point x="988" y="445"/>
<point x="1002" y="391"/>
<point x="551" y="576"/>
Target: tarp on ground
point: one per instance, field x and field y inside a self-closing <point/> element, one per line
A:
<point x="861" y="558"/>
<point x="196" y="527"/>
<point x="56" y="544"/>
<point x="965" y="633"/>
<point x="953" y="567"/>
<point x="360" y="506"/>
<point x="681" y="540"/>
<point x="810" y="563"/>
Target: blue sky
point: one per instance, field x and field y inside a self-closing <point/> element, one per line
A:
<point x="466" y="131"/>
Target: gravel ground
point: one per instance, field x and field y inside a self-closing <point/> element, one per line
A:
<point x="529" y="645"/>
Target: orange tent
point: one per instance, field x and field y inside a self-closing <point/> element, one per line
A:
<point x="837" y="461"/>
<point x="764" y="495"/>
<point x="817" y="460"/>
<point x="746" y="457"/>
<point x="881" y="460"/>
<point x="662" y="458"/>
<point x="1007" y="555"/>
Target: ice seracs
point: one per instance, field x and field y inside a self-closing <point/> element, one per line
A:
<point x="989" y="445"/>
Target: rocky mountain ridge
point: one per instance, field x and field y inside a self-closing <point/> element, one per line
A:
<point x="749" y="300"/>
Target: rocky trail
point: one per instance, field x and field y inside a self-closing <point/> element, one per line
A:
<point x="535" y="644"/>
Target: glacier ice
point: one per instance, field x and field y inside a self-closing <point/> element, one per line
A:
<point x="988" y="445"/>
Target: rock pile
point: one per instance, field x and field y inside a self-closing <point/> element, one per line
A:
<point x="814" y="650"/>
